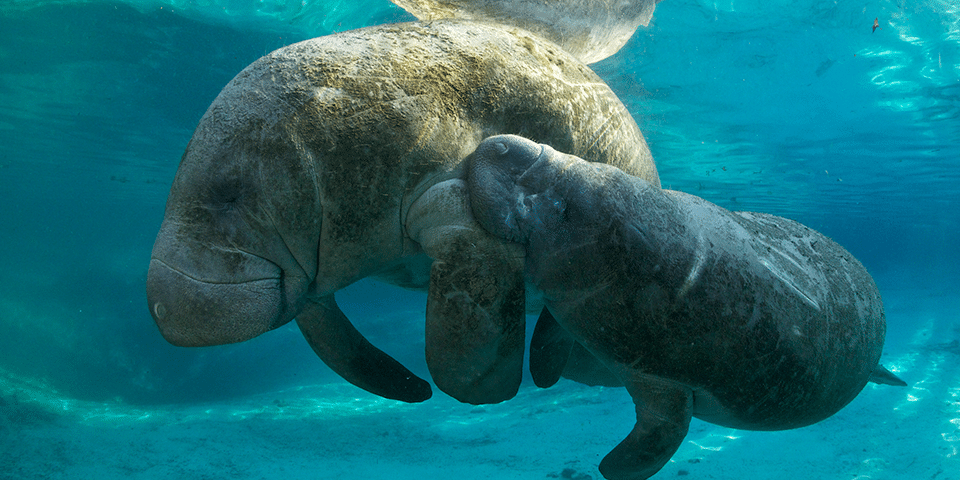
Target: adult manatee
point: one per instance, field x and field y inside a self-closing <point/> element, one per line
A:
<point x="342" y="157"/>
<point x="741" y="319"/>
<point x="590" y="30"/>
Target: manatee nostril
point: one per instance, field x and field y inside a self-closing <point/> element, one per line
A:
<point x="502" y="148"/>
<point x="159" y="311"/>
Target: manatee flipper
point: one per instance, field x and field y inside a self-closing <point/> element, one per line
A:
<point x="474" y="330"/>
<point x="550" y="349"/>
<point x="475" y="303"/>
<point x="340" y="346"/>
<point x="663" y="418"/>
<point x="882" y="376"/>
<point x="554" y="354"/>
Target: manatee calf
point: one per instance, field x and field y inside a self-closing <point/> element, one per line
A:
<point x="741" y="319"/>
<point x="341" y="158"/>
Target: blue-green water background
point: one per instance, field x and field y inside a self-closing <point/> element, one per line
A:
<point x="792" y="108"/>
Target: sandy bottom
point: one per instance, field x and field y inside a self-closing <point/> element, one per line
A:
<point x="336" y="431"/>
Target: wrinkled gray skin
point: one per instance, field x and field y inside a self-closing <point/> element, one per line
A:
<point x="340" y="158"/>
<point x="741" y="319"/>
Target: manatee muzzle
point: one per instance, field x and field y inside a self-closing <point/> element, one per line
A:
<point x="511" y="180"/>
<point x="191" y="312"/>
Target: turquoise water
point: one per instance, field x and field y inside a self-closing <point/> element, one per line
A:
<point x="791" y="108"/>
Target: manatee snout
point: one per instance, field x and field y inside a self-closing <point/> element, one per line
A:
<point x="510" y="194"/>
<point x="200" y="294"/>
<point x="192" y="313"/>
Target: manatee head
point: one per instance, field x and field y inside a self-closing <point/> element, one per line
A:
<point x="521" y="189"/>
<point x="568" y="213"/>
<point x="502" y="202"/>
<point x="237" y="249"/>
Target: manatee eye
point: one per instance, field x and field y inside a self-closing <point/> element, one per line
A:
<point x="226" y="196"/>
<point x="228" y="203"/>
<point x="227" y="206"/>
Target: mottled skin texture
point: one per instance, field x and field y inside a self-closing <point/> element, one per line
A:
<point x="745" y="320"/>
<point x="340" y="158"/>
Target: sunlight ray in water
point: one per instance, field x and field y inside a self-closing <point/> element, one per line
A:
<point x="930" y="365"/>
<point x="717" y="439"/>
<point x="707" y="448"/>
<point x="952" y="409"/>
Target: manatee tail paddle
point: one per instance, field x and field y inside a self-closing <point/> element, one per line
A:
<point x="882" y="376"/>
